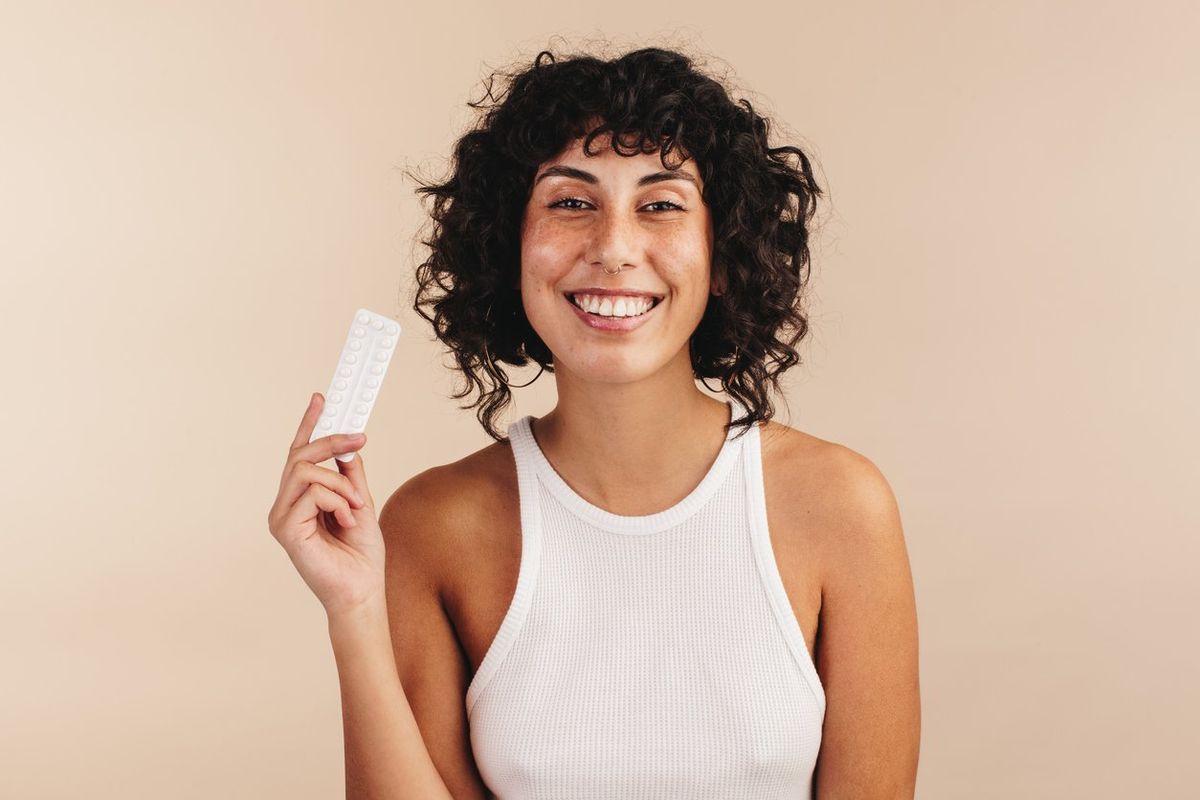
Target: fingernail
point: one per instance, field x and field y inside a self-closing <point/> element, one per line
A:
<point x="356" y="437"/>
<point x="358" y="497"/>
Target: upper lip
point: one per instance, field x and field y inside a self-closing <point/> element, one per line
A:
<point x="622" y="292"/>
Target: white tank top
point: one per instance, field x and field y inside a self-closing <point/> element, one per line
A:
<point x="647" y="656"/>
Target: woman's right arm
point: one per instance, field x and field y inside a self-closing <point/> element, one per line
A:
<point x="326" y="522"/>
<point x="386" y="756"/>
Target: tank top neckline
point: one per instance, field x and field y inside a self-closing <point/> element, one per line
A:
<point x="642" y="523"/>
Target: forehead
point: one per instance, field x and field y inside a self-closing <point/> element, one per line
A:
<point x="603" y="158"/>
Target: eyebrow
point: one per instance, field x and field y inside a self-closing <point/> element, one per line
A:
<point x="645" y="180"/>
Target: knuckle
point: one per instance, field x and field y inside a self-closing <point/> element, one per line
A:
<point x="275" y="525"/>
<point x="311" y="474"/>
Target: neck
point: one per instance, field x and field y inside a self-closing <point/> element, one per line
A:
<point x="640" y="445"/>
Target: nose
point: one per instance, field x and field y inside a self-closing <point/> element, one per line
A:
<point x="614" y="243"/>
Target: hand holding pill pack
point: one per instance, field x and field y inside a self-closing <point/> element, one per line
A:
<point x="360" y="370"/>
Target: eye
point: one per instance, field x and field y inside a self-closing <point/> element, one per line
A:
<point x="559" y="204"/>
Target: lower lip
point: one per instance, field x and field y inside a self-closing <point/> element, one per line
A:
<point x="620" y="324"/>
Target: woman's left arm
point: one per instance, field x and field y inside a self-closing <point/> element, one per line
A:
<point x="867" y="642"/>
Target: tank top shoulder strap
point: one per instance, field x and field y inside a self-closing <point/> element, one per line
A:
<point x="520" y="438"/>
<point x="521" y="441"/>
<point x="524" y="450"/>
<point x="768" y="565"/>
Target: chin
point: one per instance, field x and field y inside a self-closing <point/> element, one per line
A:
<point x="613" y="367"/>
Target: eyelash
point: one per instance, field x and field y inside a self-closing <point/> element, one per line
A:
<point x="556" y="204"/>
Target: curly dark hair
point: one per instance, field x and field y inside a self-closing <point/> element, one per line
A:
<point x="651" y="99"/>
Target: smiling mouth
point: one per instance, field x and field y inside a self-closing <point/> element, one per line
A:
<point x="654" y="301"/>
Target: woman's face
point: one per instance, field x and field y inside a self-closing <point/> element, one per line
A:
<point x="587" y="214"/>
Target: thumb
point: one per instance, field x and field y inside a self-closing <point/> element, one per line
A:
<point x="357" y="473"/>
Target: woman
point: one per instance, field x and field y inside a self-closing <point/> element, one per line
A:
<point x="647" y="592"/>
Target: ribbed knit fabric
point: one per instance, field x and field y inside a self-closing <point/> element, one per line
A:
<point x="647" y="657"/>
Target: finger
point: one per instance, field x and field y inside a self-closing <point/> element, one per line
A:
<point x="315" y="452"/>
<point x="327" y="447"/>
<point x="305" y="474"/>
<point x="298" y="475"/>
<point x="356" y="473"/>
<point x="309" y="507"/>
<point x="297" y="517"/>
<point x="334" y="503"/>
<point x="309" y="421"/>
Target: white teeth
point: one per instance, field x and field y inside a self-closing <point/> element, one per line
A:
<point x="606" y="307"/>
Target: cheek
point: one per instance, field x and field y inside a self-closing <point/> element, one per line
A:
<point x="690" y="245"/>
<point x="543" y="268"/>
<point x="545" y="252"/>
<point x="685" y="261"/>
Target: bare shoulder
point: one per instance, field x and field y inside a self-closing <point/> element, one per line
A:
<point x="443" y="508"/>
<point x="841" y="493"/>
<point x="837" y="468"/>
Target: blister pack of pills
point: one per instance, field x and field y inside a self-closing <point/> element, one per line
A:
<point x="358" y="376"/>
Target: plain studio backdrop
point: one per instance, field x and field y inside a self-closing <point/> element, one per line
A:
<point x="195" y="197"/>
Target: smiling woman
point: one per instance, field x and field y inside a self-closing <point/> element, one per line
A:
<point x="628" y="596"/>
<point x="673" y="140"/>
<point x="623" y="212"/>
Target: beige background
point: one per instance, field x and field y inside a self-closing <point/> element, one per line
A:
<point x="195" y="197"/>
